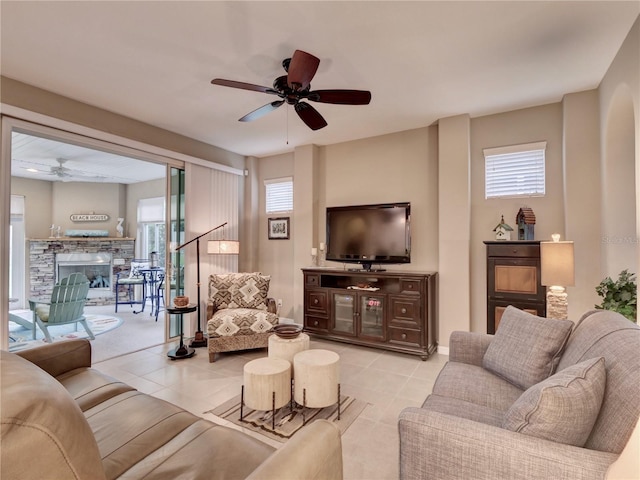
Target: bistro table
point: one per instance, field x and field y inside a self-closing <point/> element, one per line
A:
<point x="153" y="280"/>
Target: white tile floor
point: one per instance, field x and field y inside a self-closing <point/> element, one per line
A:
<point x="387" y="381"/>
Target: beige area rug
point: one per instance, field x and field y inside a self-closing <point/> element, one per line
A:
<point x="289" y="422"/>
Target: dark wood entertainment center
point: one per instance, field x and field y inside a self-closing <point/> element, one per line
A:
<point x="388" y="310"/>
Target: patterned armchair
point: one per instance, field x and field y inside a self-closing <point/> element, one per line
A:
<point x="240" y="316"/>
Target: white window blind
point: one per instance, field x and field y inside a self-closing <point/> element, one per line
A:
<point x="515" y="171"/>
<point x="151" y="209"/>
<point x="279" y="195"/>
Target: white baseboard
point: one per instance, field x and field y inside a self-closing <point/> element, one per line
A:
<point x="443" y="350"/>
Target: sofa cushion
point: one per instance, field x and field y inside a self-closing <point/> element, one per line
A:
<point x="89" y="387"/>
<point x="526" y="349"/>
<point x="474" y="384"/>
<point x="462" y="409"/>
<point x="203" y="451"/>
<point x="239" y="290"/>
<point x="564" y="407"/>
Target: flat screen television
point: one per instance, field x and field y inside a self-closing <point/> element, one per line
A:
<point x="369" y="234"/>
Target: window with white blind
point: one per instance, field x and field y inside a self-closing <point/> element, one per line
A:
<point x="515" y="171"/>
<point x="279" y="195"/>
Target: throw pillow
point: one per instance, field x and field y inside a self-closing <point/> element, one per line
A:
<point x="136" y="268"/>
<point x="564" y="407"/>
<point x="526" y="349"/>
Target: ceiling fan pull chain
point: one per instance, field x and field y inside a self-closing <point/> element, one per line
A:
<point x="287" y="120"/>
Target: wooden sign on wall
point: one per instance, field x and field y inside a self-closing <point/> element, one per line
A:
<point x="89" y="217"/>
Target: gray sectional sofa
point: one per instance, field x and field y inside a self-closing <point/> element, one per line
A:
<point x="62" y="419"/>
<point x="540" y="399"/>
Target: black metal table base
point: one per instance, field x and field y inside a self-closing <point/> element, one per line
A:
<point x="181" y="352"/>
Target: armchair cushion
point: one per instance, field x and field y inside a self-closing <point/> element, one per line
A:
<point x="240" y="321"/>
<point x="526" y="349"/>
<point x="239" y="290"/>
<point x="564" y="407"/>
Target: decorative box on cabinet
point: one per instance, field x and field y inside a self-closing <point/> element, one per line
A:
<point x="398" y="313"/>
<point x="513" y="278"/>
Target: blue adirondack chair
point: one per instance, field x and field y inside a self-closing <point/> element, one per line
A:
<point x="65" y="306"/>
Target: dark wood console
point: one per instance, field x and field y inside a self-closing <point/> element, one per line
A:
<point x="513" y="278"/>
<point x="389" y="310"/>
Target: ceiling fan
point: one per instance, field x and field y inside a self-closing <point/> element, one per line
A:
<point x="295" y="87"/>
<point x="64" y="173"/>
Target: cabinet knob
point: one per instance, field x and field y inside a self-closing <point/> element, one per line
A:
<point x="404" y="336"/>
<point x="315" y="301"/>
<point x="410" y="286"/>
<point x="403" y="310"/>
<point x="515" y="250"/>
<point x="316" y="323"/>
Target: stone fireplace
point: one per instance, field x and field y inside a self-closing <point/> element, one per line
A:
<point x="100" y="259"/>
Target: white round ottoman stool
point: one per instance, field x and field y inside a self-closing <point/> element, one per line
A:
<point x="316" y="381"/>
<point x="287" y="348"/>
<point x="267" y="385"/>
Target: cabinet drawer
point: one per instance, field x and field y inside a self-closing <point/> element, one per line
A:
<point x="315" y="323"/>
<point x="312" y="280"/>
<point x="514" y="251"/>
<point x="405" y="310"/>
<point x="404" y="336"/>
<point x="316" y="301"/>
<point x="410" y="285"/>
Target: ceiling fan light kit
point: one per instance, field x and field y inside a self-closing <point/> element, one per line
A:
<point x="295" y="87"/>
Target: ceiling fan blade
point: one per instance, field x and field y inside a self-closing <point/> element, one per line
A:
<point x="310" y="116"/>
<point x="260" y="112"/>
<point x="302" y="68"/>
<point x="243" y="85"/>
<point x="341" y="97"/>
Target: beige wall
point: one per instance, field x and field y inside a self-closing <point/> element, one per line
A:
<point x="275" y="257"/>
<point x="83" y="197"/>
<point x="454" y="227"/>
<point x="37" y="202"/>
<point x="400" y="167"/>
<point x="48" y="203"/>
<point x="583" y="191"/>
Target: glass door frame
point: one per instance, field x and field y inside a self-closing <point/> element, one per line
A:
<point x="175" y="235"/>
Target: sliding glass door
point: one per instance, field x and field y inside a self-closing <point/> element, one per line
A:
<point x="175" y="285"/>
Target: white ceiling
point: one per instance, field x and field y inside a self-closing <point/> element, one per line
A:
<point x="41" y="158"/>
<point x="153" y="61"/>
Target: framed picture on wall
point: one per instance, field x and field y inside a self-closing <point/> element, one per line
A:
<point x="279" y="228"/>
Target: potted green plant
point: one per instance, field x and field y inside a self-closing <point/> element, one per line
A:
<point x="620" y="296"/>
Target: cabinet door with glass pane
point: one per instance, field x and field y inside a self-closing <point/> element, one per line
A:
<point x="371" y="316"/>
<point x="344" y="309"/>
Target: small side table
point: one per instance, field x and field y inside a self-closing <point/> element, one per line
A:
<point x="182" y="351"/>
<point x="316" y="380"/>
<point x="286" y="348"/>
<point x="267" y="386"/>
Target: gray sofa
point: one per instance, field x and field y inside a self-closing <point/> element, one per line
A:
<point x="539" y="400"/>
<point x="62" y="419"/>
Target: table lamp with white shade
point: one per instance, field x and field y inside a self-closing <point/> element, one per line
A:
<point x="557" y="272"/>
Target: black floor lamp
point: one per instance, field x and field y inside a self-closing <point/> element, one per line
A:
<point x="220" y="247"/>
